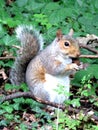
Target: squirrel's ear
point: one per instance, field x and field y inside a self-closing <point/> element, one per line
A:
<point x="71" y="32"/>
<point x="59" y="34"/>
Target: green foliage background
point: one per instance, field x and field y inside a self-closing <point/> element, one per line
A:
<point x="47" y="16"/>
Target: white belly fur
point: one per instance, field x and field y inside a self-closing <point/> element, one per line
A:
<point x="51" y="85"/>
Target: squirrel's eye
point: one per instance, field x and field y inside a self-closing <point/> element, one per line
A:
<point x="66" y="43"/>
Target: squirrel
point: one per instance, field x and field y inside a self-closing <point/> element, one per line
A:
<point x="44" y="70"/>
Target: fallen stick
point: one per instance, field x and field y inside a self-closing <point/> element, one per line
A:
<point x="7" y="57"/>
<point x="56" y="105"/>
<point x="89" y="56"/>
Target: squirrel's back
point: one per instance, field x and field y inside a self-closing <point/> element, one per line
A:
<point x="31" y="44"/>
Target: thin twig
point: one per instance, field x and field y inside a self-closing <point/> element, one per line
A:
<point x="89" y="56"/>
<point x="15" y="46"/>
<point x="81" y="56"/>
<point x="7" y="57"/>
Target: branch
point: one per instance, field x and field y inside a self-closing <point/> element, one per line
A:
<point x="89" y="56"/>
<point x="7" y="57"/>
<point x="15" y="46"/>
<point x="30" y="95"/>
<point x="89" y="48"/>
<point x="81" y="56"/>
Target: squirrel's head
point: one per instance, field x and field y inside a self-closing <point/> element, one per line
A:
<point x="67" y="44"/>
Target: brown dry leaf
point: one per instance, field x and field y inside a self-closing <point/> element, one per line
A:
<point x="46" y="127"/>
<point x="29" y="117"/>
<point x="8" y="2"/>
<point x="2" y="72"/>
<point x="5" y="128"/>
<point x="5" y="53"/>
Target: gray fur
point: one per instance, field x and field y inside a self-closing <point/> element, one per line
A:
<point x="31" y="44"/>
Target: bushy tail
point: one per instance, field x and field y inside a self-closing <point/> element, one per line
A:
<point x="31" y="44"/>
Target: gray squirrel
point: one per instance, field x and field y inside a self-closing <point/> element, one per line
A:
<point x="44" y="70"/>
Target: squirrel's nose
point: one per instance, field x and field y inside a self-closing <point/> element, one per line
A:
<point x="78" y="54"/>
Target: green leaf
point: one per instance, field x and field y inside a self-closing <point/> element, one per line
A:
<point x="16" y="106"/>
<point x="8" y="64"/>
<point x="8" y="86"/>
<point x="21" y="3"/>
<point x="95" y="20"/>
<point x="87" y="18"/>
<point x="96" y="104"/>
<point x="85" y="93"/>
<point x="23" y="126"/>
<point x="24" y="87"/>
<point x="12" y="23"/>
<point x="34" y="6"/>
<point x="56" y="16"/>
<point x="19" y="100"/>
<point x="8" y="40"/>
<point x="8" y="109"/>
<point x="3" y="123"/>
<point x="93" y="69"/>
<point x="2" y="3"/>
<point x="50" y="34"/>
<point x="2" y="31"/>
<point x="51" y="6"/>
<point x="80" y="74"/>
<point x="80" y="2"/>
<point x="9" y="116"/>
<point x="96" y="4"/>
<point x="76" y="102"/>
<point x="2" y="111"/>
<point x="2" y="63"/>
<point x="89" y="73"/>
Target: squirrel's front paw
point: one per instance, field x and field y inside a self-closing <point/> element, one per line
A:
<point x="74" y="66"/>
